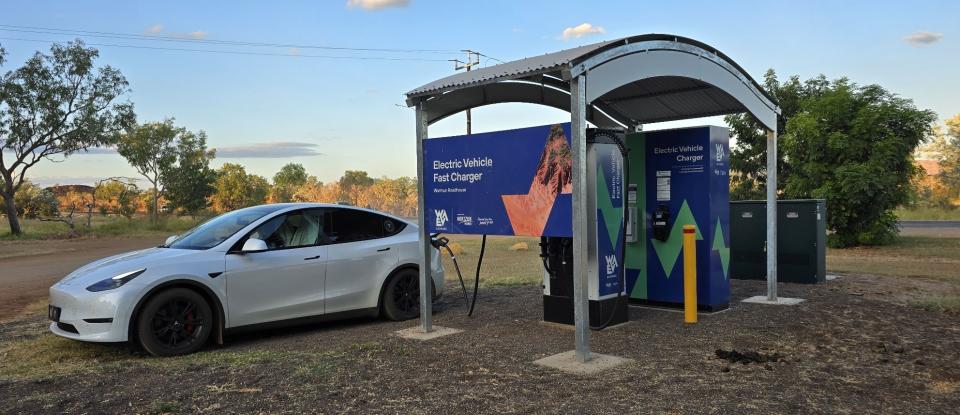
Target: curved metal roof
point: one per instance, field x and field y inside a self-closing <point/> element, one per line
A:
<point x="633" y="80"/>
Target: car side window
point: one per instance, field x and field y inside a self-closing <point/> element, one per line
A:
<point x="350" y="225"/>
<point x="292" y="230"/>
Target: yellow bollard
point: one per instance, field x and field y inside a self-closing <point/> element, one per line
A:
<point x="689" y="274"/>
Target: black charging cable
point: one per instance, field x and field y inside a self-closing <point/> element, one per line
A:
<point x="443" y="242"/>
<point x="476" y="281"/>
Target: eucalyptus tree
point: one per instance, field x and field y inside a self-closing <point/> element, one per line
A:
<point x="56" y="104"/>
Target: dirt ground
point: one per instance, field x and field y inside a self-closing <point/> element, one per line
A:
<point x="852" y="347"/>
<point x="29" y="268"/>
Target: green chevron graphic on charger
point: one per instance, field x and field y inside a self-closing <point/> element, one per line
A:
<point x="611" y="215"/>
<point x="669" y="251"/>
<point x="721" y="247"/>
<point x="686" y="171"/>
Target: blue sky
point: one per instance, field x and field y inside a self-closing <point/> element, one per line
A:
<point x="344" y="114"/>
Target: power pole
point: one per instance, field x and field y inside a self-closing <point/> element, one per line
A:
<point x="473" y="59"/>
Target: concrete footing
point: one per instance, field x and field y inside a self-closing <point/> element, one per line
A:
<point x="567" y="362"/>
<point x="762" y="299"/>
<point x="415" y="333"/>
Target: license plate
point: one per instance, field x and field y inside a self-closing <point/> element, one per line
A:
<point x="53" y="313"/>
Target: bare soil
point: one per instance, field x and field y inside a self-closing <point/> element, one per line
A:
<point x="29" y="268"/>
<point x="852" y="347"/>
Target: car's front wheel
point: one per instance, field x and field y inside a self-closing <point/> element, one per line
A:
<point x="174" y="322"/>
<point x="401" y="299"/>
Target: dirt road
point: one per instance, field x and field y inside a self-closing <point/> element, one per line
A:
<point x="29" y="268"/>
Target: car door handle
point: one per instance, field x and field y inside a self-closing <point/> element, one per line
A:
<point x="383" y="249"/>
<point x="313" y="257"/>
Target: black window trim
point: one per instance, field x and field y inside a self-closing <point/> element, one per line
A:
<point x="400" y="228"/>
<point x="238" y="246"/>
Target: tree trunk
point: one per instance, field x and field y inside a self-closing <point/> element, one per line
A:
<point x="12" y="214"/>
<point x="156" y="203"/>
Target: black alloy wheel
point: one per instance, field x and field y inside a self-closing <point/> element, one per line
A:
<point x="402" y="296"/>
<point x="174" y="322"/>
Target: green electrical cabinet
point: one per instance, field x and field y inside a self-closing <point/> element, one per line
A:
<point x="801" y="245"/>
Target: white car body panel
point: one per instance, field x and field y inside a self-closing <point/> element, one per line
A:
<point x="251" y="288"/>
<point x="355" y="271"/>
<point x="275" y="285"/>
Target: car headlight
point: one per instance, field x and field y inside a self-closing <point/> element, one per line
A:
<point x="116" y="281"/>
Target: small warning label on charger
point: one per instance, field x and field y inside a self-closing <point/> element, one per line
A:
<point x="663" y="185"/>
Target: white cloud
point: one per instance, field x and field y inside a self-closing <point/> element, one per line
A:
<point x="923" y="38"/>
<point x="158" y="29"/>
<point x="584" y="29"/>
<point x="281" y="149"/>
<point x="376" y="4"/>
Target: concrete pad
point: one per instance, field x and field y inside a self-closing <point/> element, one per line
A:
<point x="762" y="299"/>
<point x="415" y="333"/>
<point x="567" y="362"/>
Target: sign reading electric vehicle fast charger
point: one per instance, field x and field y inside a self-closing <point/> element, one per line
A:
<point x="519" y="182"/>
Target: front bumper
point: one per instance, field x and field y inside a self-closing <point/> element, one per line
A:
<point x="90" y="316"/>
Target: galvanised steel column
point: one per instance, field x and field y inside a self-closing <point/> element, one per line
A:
<point x="772" y="215"/>
<point x="426" y="288"/>
<point x="578" y="129"/>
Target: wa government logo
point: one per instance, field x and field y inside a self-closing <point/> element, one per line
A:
<point x="720" y="152"/>
<point x="611" y="263"/>
<point x="441" y="217"/>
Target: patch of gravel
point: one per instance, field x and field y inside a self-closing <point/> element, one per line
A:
<point x="838" y="352"/>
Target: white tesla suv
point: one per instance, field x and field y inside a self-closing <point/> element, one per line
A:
<point x="263" y="265"/>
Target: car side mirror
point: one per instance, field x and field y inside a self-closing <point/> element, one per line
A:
<point x="170" y="240"/>
<point x="254" y="245"/>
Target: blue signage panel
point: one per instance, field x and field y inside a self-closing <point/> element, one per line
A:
<point x="685" y="173"/>
<point x="512" y="182"/>
<point x="610" y="203"/>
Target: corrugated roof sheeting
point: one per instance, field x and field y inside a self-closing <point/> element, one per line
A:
<point x="675" y="92"/>
<point x="517" y="69"/>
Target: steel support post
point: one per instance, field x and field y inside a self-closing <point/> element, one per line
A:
<point x="772" y="215"/>
<point x="578" y="130"/>
<point x="426" y="288"/>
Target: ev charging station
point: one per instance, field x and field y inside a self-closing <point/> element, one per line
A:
<point x="617" y="86"/>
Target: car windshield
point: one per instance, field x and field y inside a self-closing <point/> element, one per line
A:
<point x="214" y="231"/>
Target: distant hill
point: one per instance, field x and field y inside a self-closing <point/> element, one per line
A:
<point x="62" y="190"/>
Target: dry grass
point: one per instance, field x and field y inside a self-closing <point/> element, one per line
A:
<point x="101" y="226"/>
<point x="936" y="258"/>
<point x="503" y="265"/>
<point x="924" y="257"/>
<point x="46" y="355"/>
<point x="909" y="256"/>
<point x="921" y="213"/>
<point x="949" y="304"/>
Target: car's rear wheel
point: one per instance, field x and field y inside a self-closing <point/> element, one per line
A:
<point x="174" y="322"/>
<point x="401" y="299"/>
